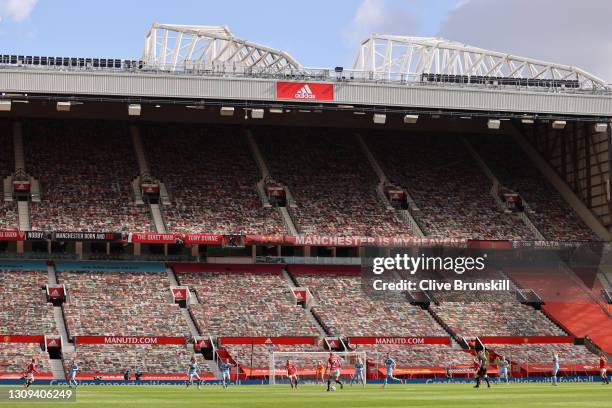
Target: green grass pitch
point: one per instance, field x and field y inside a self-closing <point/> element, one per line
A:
<point x="589" y="395"/>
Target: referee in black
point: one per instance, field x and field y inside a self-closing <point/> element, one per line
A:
<point x="483" y="363"/>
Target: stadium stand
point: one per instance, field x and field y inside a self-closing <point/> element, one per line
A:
<point x="480" y="313"/>
<point x="8" y="210"/>
<point x="568" y="304"/>
<point x="502" y="318"/>
<point x="212" y="178"/>
<point x="151" y="360"/>
<point x="85" y="171"/>
<point x="24" y="310"/>
<point x="413" y="356"/>
<point x="120" y="304"/>
<point x="448" y="187"/>
<point x="15" y="356"/>
<point x="541" y="353"/>
<point x="246" y="304"/>
<point x="551" y="213"/>
<point x="345" y="309"/>
<point x="333" y="185"/>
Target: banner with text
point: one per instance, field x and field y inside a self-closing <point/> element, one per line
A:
<point x="408" y="341"/>
<point x="136" y="340"/>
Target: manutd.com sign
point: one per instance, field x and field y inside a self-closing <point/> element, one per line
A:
<point x="305" y="91"/>
<point x="399" y="340"/>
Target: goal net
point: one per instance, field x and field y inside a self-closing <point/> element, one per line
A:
<point x="306" y="362"/>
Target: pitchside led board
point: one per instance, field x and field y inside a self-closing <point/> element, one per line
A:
<point x="534" y="272"/>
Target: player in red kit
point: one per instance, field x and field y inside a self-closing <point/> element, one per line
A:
<point x="333" y="366"/>
<point x="29" y="373"/>
<point x="292" y="374"/>
<point x="603" y="368"/>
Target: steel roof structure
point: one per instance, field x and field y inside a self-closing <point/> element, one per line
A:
<point x="389" y="56"/>
<point x="179" y="47"/>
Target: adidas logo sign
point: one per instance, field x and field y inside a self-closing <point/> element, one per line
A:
<point x="305" y="93"/>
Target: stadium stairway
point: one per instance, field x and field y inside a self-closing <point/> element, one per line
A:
<point x="23" y="212"/>
<point x="495" y="186"/>
<point x="455" y="338"/>
<point x="58" y="314"/>
<point x="158" y="219"/>
<point x="265" y="176"/>
<point x="57" y="369"/>
<point x="18" y="147"/>
<point x="145" y="173"/>
<point x="287" y="220"/>
<point x="383" y="181"/>
<point x="141" y="158"/>
<point x="309" y="313"/>
<point x="193" y="328"/>
<point x="606" y="280"/>
<point x="23" y="207"/>
<point x="261" y="163"/>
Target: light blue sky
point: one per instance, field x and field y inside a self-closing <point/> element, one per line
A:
<point x="317" y="33"/>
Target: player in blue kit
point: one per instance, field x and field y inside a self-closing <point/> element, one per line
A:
<point x="390" y="366"/>
<point x="226" y="367"/>
<point x="502" y="368"/>
<point x="193" y="373"/>
<point x="555" y="367"/>
<point x="358" y="376"/>
<point x="74" y="368"/>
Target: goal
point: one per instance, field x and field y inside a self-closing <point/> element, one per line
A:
<point x="307" y="360"/>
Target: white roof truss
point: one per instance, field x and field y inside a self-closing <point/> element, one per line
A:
<point x="175" y="47"/>
<point x="390" y="56"/>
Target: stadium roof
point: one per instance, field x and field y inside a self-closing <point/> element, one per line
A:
<point x="177" y="47"/>
<point x="392" y="55"/>
<point x="194" y="64"/>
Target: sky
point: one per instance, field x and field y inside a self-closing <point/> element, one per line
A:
<point x="318" y="33"/>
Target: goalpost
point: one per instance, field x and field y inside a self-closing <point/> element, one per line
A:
<point x="308" y="360"/>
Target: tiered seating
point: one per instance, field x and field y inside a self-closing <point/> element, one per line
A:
<point x="212" y="178"/>
<point x="14" y="358"/>
<point x="432" y="355"/>
<point x="569" y="304"/>
<point x="502" y="318"/>
<point x="490" y="313"/>
<point x="553" y="216"/>
<point x="85" y="171"/>
<point x="8" y="216"/>
<point x="100" y="359"/>
<point x="332" y="183"/>
<point x="551" y="284"/>
<point x="260" y="355"/>
<point x="449" y="188"/>
<point x="541" y="353"/>
<point x="246" y="304"/>
<point x="346" y="310"/>
<point x="24" y="309"/>
<point x="120" y="303"/>
<point x="8" y="210"/>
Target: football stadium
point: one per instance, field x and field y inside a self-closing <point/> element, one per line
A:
<point x="195" y="226"/>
